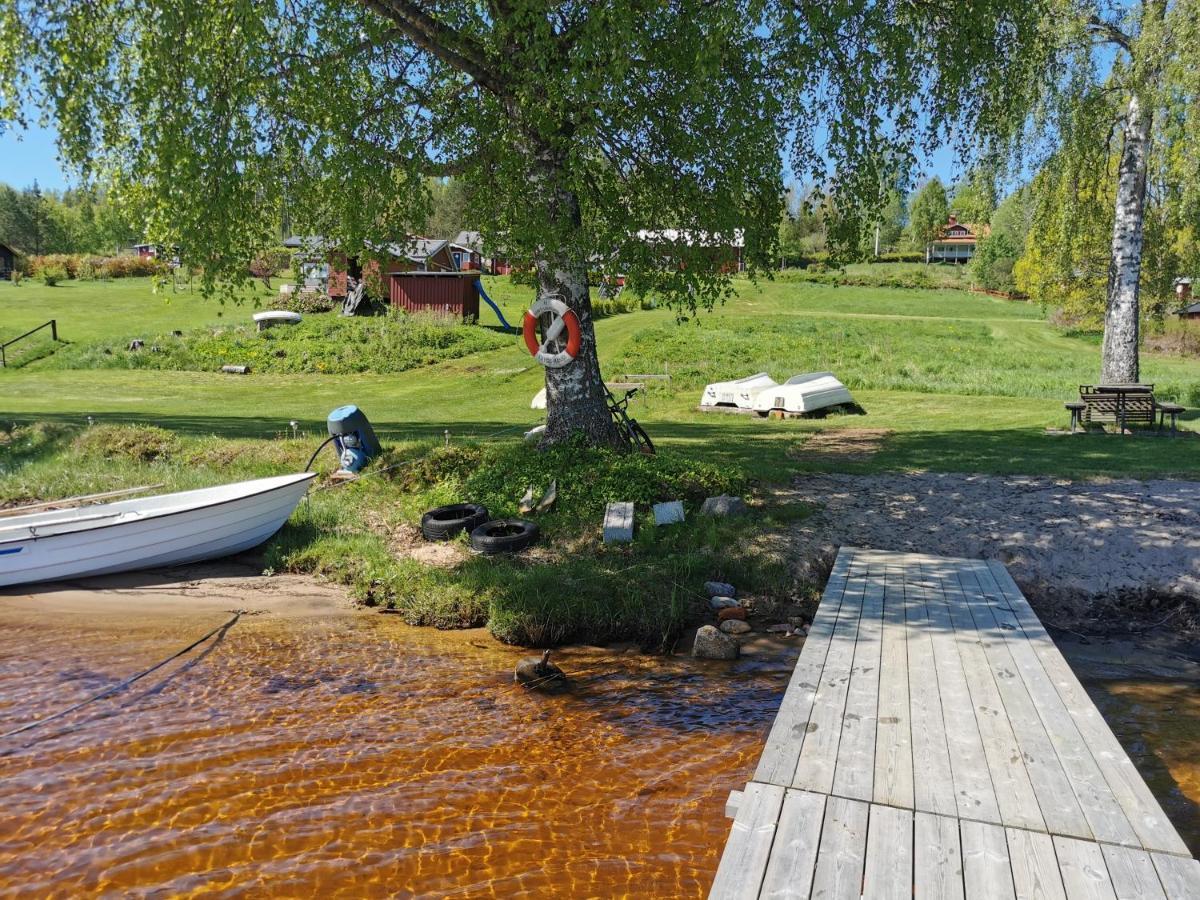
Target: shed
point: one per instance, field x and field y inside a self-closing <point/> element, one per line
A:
<point x="1190" y="312"/>
<point x="8" y="260"/>
<point x="439" y="293"/>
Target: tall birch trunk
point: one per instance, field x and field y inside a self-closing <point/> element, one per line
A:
<point x="576" y="402"/>
<point x="1119" y="357"/>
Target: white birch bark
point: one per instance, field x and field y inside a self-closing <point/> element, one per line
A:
<point x="1119" y="356"/>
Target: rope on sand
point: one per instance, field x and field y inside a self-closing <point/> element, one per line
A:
<point x="108" y="692"/>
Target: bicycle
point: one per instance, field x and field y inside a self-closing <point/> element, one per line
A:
<point x="634" y="435"/>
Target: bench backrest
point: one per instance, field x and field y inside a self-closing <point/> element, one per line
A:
<point x="1106" y="407"/>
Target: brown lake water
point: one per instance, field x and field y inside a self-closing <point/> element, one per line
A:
<point x="349" y="755"/>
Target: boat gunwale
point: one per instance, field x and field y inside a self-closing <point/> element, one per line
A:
<point x="162" y="515"/>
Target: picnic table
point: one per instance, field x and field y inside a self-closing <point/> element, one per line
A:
<point x="1122" y="405"/>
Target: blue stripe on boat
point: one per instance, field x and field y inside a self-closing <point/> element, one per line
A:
<point x="11" y="551"/>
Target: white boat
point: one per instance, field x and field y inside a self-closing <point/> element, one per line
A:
<point x="740" y="393"/>
<point x="148" y="532"/>
<point x="804" y="394"/>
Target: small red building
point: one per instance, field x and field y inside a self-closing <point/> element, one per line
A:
<point x="437" y="293"/>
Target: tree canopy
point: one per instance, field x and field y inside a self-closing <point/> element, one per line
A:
<point x="572" y="126"/>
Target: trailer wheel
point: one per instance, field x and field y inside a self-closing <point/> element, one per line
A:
<point x="445" y="522"/>
<point x="504" y="536"/>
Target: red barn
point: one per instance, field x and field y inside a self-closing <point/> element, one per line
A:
<point x="438" y="293"/>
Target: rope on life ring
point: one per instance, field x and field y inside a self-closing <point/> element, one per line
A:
<point x="563" y="318"/>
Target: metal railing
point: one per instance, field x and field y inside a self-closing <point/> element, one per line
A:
<point x="52" y="325"/>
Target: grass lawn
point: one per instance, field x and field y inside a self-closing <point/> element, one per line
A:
<point x="950" y="381"/>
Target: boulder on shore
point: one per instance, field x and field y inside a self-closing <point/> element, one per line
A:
<point x="731" y="612"/>
<point x="735" y="626"/>
<point x="719" y="589"/>
<point x="712" y="644"/>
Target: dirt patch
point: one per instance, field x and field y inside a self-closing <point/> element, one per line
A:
<point x="407" y="542"/>
<point x="850" y="444"/>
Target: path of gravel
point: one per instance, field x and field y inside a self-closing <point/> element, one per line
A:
<point x="1080" y="551"/>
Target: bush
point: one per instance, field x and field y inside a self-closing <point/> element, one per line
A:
<point x="15" y="277"/>
<point x="139" y="443"/>
<point x="305" y="302"/>
<point x="79" y="265"/>
<point x="269" y="264"/>
<point x="52" y="274"/>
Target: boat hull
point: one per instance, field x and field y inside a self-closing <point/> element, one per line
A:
<point x="166" y="537"/>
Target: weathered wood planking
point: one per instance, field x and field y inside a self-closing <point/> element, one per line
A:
<point x="934" y="743"/>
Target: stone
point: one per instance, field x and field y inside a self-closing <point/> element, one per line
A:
<point x="735" y="626"/>
<point x="724" y="505"/>
<point x="731" y="612"/>
<point x="669" y="513"/>
<point x="540" y="674"/>
<point x="721" y="602"/>
<point x="797" y="622"/>
<point x="719" y="589"/>
<point x="618" y="523"/>
<point x="780" y="629"/>
<point x="710" y="643"/>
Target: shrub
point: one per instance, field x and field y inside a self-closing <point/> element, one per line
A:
<point x="52" y="274"/>
<point x="305" y="302"/>
<point x="15" y="277"/>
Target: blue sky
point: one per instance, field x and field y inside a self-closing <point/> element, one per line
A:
<point x="32" y="154"/>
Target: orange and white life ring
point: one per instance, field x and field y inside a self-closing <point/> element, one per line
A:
<point x="550" y="350"/>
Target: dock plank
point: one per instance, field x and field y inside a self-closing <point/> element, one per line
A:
<point x="854" y="770"/>
<point x="818" y="754"/>
<point x="1132" y="873"/>
<point x="987" y="873"/>
<point x="842" y="852"/>
<point x="748" y="849"/>
<point x="888" y="873"/>
<point x="1084" y="872"/>
<point x="794" y="853"/>
<point x="777" y="765"/>
<point x="937" y="857"/>
<point x="1179" y="877"/>
<point x="1034" y="866"/>
<point x="893" y="777"/>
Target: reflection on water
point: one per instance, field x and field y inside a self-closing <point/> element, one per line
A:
<point x="352" y="755"/>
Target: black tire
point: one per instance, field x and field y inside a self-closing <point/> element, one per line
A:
<point x="641" y="440"/>
<point x="445" y="522"/>
<point x="505" y="536"/>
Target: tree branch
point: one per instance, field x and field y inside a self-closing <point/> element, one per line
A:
<point x="447" y="44"/>
<point x="1109" y="32"/>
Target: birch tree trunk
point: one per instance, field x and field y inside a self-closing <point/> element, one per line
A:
<point x="576" y="402"/>
<point x="1119" y="357"/>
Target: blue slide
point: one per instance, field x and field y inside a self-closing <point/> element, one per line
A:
<point x="495" y="308"/>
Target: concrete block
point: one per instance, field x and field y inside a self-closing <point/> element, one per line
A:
<point x="618" y="523"/>
<point x="670" y="513"/>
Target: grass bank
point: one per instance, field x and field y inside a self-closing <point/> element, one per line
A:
<point x="571" y="587"/>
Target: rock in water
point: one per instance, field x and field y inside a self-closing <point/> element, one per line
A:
<point x="735" y="626"/>
<point x="719" y="589"/>
<point x="712" y="644"/>
<point x="540" y="674"/>
<point x="724" y="505"/>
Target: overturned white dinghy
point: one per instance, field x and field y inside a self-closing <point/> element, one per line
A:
<point x="803" y="394"/>
<point x="264" y="320"/>
<point x="740" y="394"/>
<point x="149" y="532"/>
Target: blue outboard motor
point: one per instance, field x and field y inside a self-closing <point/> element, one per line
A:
<point x="353" y="436"/>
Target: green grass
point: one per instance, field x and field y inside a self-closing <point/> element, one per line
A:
<point x="956" y="381"/>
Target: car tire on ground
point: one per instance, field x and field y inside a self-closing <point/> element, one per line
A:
<point x="445" y="522"/>
<point x="504" y="536"/>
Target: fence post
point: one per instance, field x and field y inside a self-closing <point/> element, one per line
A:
<point x="54" y="329"/>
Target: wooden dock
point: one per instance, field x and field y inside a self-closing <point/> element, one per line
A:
<point x="934" y="743"/>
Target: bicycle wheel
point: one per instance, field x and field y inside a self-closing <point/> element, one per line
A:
<point x="641" y="440"/>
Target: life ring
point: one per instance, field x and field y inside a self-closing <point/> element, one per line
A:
<point x="564" y="317"/>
